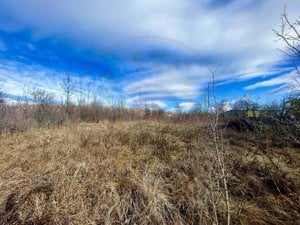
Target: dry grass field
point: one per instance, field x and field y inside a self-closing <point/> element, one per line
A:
<point x="144" y="172"/>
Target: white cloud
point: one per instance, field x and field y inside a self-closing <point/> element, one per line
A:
<point x="280" y="80"/>
<point x="181" y="83"/>
<point x="139" y="101"/>
<point x="238" y="35"/>
<point x="281" y="90"/>
<point x="186" y="106"/>
<point x="16" y="77"/>
<point x="156" y="103"/>
<point x="240" y="32"/>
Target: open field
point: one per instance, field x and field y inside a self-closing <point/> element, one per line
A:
<point x="144" y="172"/>
<point x="149" y="112"/>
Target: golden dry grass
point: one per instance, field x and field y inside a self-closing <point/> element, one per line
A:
<point x="140" y="173"/>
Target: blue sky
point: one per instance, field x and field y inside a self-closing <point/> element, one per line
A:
<point x="150" y="51"/>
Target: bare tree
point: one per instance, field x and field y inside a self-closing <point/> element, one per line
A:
<point x="2" y="109"/>
<point x="1" y="93"/>
<point x="43" y="99"/>
<point x="81" y="98"/>
<point x="289" y="34"/>
<point x="68" y="90"/>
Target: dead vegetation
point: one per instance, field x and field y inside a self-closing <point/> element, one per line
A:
<point x="142" y="172"/>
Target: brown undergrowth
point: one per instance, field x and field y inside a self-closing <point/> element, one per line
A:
<point x="141" y="173"/>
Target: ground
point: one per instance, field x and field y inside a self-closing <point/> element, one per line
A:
<point x="144" y="172"/>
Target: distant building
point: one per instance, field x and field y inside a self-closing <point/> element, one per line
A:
<point x="249" y="113"/>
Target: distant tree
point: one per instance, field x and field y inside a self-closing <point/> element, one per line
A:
<point x="178" y="110"/>
<point x="6" y="114"/>
<point x="147" y="112"/>
<point x="2" y="102"/>
<point x="26" y="95"/>
<point x="287" y="109"/>
<point x="245" y="104"/>
<point x="224" y="106"/>
<point x="278" y="110"/>
<point x="1" y="94"/>
<point x="153" y="110"/>
<point x="43" y="99"/>
<point x="81" y="98"/>
<point x="284" y="116"/>
<point x="197" y="108"/>
<point x="294" y="106"/>
<point x="68" y="91"/>
<point x="289" y="34"/>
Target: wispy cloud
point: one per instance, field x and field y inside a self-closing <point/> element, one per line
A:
<point x="180" y="83"/>
<point x="18" y="77"/>
<point x="187" y="106"/>
<point x="152" y="49"/>
<point x="240" y="29"/>
<point x="285" y="80"/>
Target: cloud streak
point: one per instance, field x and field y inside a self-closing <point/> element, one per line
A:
<point x="155" y="49"/>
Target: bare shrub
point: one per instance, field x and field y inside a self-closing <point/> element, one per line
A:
<point x="45" y="112"/>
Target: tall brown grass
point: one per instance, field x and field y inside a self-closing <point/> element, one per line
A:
<point x="142" y="172"/>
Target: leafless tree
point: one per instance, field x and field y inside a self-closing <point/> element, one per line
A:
<point x="68" y="91"/>
<point x="43" y="99"/>
<point x="289" y="34"/>
<point x="1" y="104"/>
<point x="1" y="93"/>
<point x="81" y="98"/>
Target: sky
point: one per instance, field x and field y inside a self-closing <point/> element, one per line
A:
<point x="146" y="52"/>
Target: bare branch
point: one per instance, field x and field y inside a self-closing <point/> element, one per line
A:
<point x="284" y="15"/>
<point x="289" y="33"/>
